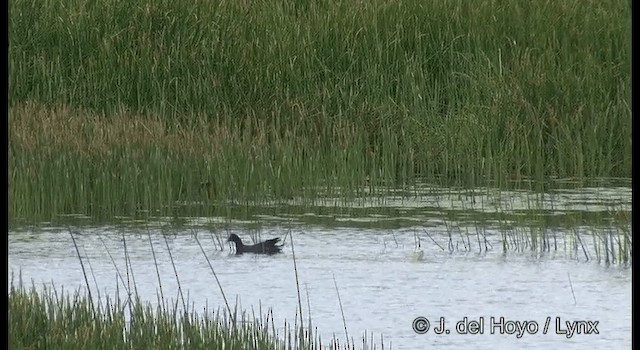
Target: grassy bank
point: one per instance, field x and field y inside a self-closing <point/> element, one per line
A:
<point x="120" y="106"/>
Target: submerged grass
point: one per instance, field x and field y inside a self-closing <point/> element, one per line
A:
<point x="123" y="106"/>
<point x="610" y="244"/>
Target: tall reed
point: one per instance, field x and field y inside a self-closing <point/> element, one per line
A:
<point x="48" y="319"/>
<point x="261" y="99"/>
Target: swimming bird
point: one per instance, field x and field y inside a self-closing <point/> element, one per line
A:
<point x="269" y="246"/>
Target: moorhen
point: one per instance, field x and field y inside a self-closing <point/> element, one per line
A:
<point x="267" y="247"/>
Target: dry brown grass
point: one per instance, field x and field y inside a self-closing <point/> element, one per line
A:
<point x="35" y="127"/>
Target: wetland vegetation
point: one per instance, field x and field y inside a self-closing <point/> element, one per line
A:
<point x="63" y="320"/>
<point x="154" y="109"/>
<point x="119" y="107"/>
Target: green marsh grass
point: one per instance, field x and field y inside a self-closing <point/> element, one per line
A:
<point x="117" y="107"/>
<point x="46" y="318"/>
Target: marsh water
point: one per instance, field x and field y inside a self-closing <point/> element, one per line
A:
<point x="479" y="262"/>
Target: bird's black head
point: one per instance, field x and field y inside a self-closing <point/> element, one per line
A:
<point x="234" y="238"/>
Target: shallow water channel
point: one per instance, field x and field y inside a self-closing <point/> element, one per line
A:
<point x="489" y="294"/>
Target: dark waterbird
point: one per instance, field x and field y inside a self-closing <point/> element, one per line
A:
<point x="269" y="246"/>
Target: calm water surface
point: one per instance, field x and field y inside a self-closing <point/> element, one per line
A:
<point x="382" y="285"/>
